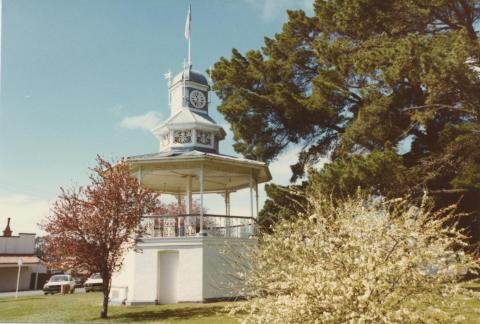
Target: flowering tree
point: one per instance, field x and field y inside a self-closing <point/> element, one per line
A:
<point x="92" y="227"/>
<point x="362" y="260"/>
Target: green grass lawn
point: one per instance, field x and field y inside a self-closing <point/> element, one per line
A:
<point x="86" y="308"/>
<point x="459" y="309"/>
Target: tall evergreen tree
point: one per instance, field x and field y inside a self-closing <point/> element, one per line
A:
<point x="390" y="90"/>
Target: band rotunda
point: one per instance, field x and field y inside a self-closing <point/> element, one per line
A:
<point x="180" y="257"/>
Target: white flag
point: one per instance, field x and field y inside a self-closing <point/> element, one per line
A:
<point x="188" y="22"/>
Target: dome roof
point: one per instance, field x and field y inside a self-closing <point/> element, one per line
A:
<point x="191" y="75"/>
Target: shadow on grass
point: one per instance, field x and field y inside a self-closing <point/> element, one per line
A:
<point x="172" y="314"/>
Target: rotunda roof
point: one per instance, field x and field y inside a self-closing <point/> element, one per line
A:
<point x="166" y="171"/>
<point x="191" y="75"/>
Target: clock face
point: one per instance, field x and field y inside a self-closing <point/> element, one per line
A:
<point x="197" y="99"/>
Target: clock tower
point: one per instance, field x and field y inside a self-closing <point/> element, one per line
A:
<point x="189" y="126"/>
<point x="188" y="89"/>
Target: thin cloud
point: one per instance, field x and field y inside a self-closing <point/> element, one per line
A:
<point x="117" y="110"/>
<point x="145" y="122"/>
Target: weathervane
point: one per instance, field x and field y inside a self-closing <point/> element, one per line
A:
<point x="168" y="77"/>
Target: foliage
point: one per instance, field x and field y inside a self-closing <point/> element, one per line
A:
<point x="389" y="90"/>
<point x="378" y="172"/>
<point x="281" y="205"/>
<point x="363" y="260"/>
<point x="40" y="247"/>
<point x="91" y="227"/>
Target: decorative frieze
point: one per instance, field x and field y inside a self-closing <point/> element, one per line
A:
<point x="204" y="138"/>
<point x="182" y="136"/>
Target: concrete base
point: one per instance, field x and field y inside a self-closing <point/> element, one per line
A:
<point x="179" y="270"/>
<point x="139" y="303"/>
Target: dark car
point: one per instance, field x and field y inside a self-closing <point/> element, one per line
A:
<point x="79" y="282"/>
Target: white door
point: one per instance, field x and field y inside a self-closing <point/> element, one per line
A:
<point x="167" y="277"/>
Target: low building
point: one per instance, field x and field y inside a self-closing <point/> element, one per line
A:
<point x="19" y="247"/>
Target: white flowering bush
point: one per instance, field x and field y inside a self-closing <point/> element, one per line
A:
<point x="360" y="261"/>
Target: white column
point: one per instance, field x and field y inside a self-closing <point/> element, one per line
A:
<point x="227" y="213"/>
<point x="251" y="201"/>
<point x="194" y="136"/>
<point x="188" y="196"/>
<point x="227" y="203"/>
<point x="256" y="199"/>
<point x="178" y="219"/>
<point x="189" y="221"/>
<point x="148" y="223"/>
<point x="202" y="176"/>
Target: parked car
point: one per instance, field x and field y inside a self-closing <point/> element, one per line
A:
<point x="55" y="283"/>
<point x="94" y="283"/>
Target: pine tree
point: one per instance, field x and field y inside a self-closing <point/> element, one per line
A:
<point x="389" y="90"/>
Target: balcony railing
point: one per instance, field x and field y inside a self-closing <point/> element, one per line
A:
<point x="188" y="225"/>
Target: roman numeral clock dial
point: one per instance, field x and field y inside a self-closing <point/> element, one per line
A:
<point x="198" y="99"/>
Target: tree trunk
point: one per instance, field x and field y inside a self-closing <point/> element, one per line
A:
<point x="106" y="292"/>
<point x="104" y="312"/>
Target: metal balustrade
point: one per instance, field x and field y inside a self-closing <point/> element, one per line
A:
<point x="188" y="225"/>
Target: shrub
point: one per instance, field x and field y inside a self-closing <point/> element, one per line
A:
<point x="363" y="260"/>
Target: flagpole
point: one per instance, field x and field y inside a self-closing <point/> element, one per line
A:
<point x="189" y="52"/>
<point x="188" y="35"/>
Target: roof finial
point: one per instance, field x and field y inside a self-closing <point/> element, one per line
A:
<point x="210" y="79"/>
<point x="7" y="231"/>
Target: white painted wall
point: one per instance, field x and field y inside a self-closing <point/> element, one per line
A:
<point x="176" y="96"/>
<point x="223" y="259"/>
<point x="144" y="284"/>
<point x="122" y="279"/>
<point x="194" y="269"/>
<point x="190" y="274"/>
<point x="21" y="244"/>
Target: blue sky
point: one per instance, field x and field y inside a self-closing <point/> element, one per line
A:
<point x="81" y="77"/>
